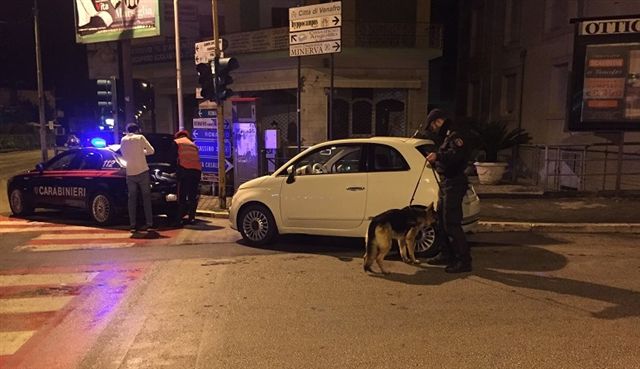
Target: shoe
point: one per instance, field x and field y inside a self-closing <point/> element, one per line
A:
<point x="458" y="267"/>
<point x="133" y="229"/>
<point x="148" y="228"/>
<point x="440" y="260"/>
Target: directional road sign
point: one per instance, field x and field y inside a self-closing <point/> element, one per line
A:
<point x="204" y="51"/>
<point x="210" y="165"/>
<point x="315" y="29"/>
<point x="315" y="48"/>
<point x="325" y="34"/>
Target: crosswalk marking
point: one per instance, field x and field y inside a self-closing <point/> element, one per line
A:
<point x="68" y="246"/>
<point x="10" y="342"/>
<point x="76" y="236"/>
<point x="46" y="279"/>
<point x="41" y="229"/>
<point x="33" y="304"/>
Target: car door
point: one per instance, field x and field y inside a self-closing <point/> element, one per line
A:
<point x="391" y="182"/>
<point x="48" y="185"/>
<point x="82" y="176"/>
<point x="328" y="191"/>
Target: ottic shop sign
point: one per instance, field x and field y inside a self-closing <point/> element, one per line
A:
<point x="609" y="27"/>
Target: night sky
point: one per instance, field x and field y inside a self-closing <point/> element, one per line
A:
<point x="64" y="61"/>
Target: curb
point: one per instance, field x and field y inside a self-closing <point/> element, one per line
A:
<point x="558" y="227"/>
<point x="495" y="227"/>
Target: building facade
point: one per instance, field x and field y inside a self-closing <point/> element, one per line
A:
<point x="380" y="76"/>
<point x="515" y="62"/>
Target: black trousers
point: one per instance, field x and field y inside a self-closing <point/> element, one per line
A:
<point x="450" y="219"/>
<point x="188" y="180"/>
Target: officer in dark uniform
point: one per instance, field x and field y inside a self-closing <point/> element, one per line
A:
<point x="450" y="162"/>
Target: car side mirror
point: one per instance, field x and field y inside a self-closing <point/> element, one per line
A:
<point x="292" y="175"/>
<point x="40" y="167"/>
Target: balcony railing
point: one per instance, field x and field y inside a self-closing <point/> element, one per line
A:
<point x="354" y="34"/>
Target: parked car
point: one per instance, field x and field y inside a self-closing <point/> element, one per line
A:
<point x="94" y="179"/>
<point x="334" y="188"/>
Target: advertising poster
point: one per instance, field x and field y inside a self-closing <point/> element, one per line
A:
<point x="612" y="83"/>
<point x="110" y="20"/>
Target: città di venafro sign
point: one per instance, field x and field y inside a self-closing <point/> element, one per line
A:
<point x="609" y="27"/>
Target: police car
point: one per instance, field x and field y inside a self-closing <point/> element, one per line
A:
<point x="94" y="179"/>
<point x="334" y="188"/>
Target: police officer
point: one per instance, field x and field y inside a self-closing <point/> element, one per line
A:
<point x="189" y="171"/>
<point x="450" y="161"/>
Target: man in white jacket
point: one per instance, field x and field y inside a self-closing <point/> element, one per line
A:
<point x="135" y="148"/>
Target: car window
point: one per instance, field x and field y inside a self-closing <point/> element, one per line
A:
<point x="90" y="160"/>
<point x="386" y="159"/>
<point x="331" y="159"/>
<point x="427" y="148"/>
<point x="111" y="160"/>
<point x="62" y="162"/>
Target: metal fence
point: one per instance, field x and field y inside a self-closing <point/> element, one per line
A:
<point x="591" y="168"/>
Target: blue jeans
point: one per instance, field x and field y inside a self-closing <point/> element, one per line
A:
<point x="140" y="182"/>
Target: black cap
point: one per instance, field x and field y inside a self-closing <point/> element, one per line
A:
<point x="435" y="114"/>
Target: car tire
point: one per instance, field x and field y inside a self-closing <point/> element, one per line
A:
<point x="19" y="204"/>
<point x="428" y="241"/>
<point x="257" y="225"/>
<point x="102" y="209"/>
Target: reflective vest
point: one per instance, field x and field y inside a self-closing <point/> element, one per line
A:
<point x="188" y="156"/>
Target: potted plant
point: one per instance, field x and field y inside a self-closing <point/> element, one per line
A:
<point x="493" y="137"/>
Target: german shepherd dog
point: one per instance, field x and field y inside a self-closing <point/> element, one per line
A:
<point x="395" y="224"/>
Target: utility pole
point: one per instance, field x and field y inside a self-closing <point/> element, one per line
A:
<point x="222" y="174"/>
<point x="41" y="102"/>
<point x="178" y="66"/>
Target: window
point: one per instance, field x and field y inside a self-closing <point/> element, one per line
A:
<point x="331" y="159"/>
<point x="90" y="160"/>
<point x="362" y="118"/>
<point x="62" y="161"/>
<point x="386" y="159"/>
<point x="512" y="22"/>
<point x="509" y="94"/>
<point x="558" y="90"/>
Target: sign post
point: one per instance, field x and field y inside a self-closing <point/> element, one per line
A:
<point x="316" y="30"/>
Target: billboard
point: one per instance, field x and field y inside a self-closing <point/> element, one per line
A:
<point x="605" y="93"/>
<point x="110" y="20"/>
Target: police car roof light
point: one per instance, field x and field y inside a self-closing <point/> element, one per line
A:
<point x="98" y="142"/>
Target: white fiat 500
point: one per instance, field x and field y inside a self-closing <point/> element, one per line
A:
<point x="334" y="188"/>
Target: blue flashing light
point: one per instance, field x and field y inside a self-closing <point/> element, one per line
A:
<point x="98" y="142"/>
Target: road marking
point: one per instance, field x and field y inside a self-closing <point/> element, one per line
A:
<point x="64" y="247"/>
<point x="10" y="342"/>
<point x="33" y="304"/>
<point x="78" y="236"/>
<point x="43" y="229"/>
<point x="46" y="279"/>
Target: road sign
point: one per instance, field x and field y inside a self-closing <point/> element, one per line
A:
<point x="315" y="48"/>
<point x="315" y="23"/>
<point x="209" y="148"/>
<point x="312" y="11"/>
<point x="326" y="34"/>
<point x="204" y="51"/>
<point x="209" y="134"/>
<point x="210" y="165"/>
<point x="315" y="29"/>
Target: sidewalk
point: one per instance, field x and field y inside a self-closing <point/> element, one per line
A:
<point x="508" y="208"/>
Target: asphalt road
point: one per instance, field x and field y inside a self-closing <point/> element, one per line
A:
<point x="200" y="299"/>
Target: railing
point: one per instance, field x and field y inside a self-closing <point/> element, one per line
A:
<point x="592" y="168"/>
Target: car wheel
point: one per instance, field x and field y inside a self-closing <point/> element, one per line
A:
<point x="257" y="225"/>
<point x="428" y="242"/>
<point x="102" y="209"/>
<point x="19" y="205"/>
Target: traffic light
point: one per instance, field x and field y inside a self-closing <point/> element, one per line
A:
<point x="205" y="78"/>
<point x="107" y="95"/>
<point x="222" y="68"/>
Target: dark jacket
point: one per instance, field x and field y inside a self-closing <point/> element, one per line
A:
<point x="454" y="152"/>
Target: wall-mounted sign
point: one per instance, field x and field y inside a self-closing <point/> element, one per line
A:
<point x="605" y="94"/>
<point x="110" y="20"/>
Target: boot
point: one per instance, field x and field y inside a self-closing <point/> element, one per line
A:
<point x="441" y="259"/>
<point x="458" y="267"/>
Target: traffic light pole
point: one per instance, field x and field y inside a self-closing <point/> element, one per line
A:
<point x="222" y="177"/>
<point x="41" y="101"/>
<point x="178" y="66"/>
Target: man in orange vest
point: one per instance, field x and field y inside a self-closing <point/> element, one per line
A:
<point x="189" y="171"/>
